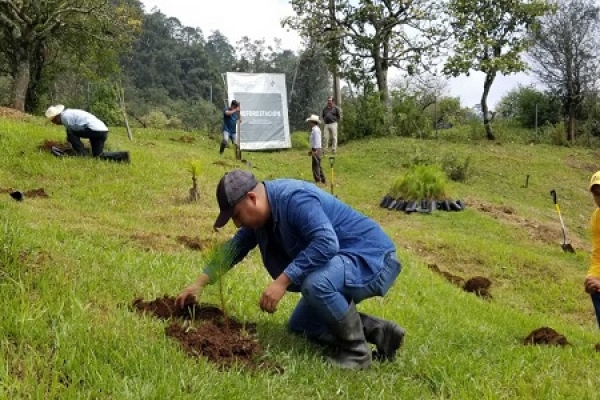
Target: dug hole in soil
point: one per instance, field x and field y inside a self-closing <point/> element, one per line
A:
<point x="203" y="329"/>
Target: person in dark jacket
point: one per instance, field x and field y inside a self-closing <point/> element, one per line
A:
<point x="312" y="243"/>
<point x="331" y="114"/>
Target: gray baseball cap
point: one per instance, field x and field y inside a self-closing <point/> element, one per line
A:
<point x="232" y="188"/>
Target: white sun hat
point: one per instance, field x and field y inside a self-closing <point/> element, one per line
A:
<point x="53" y="111"/>
<point x="313" y="118"/>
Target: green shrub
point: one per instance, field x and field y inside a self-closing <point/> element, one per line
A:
<point x="155" y="119"/>
<point x="420" y="182"/>
<point x="420" y="156"/>
<point x="300" y="140"/>
<point x="454" y="168"/>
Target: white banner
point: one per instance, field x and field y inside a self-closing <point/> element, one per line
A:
<point x="263" y="110"/>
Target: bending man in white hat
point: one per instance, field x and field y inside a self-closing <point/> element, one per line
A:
<point x="82" y="124"/>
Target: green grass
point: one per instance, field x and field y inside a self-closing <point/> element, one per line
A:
<point x="73" y="263"/>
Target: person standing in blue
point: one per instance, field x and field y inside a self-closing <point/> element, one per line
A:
<point x="230" y="118"/>
<point x="312" y="243"/>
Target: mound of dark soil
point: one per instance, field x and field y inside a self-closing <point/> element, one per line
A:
<point x="203" y="330"/>
<point x="478" y="284"/>
<point x="47" y="145"/>
<point x="597" y="347"/>
<point x="545" y="335"/>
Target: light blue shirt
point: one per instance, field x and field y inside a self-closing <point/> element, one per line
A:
<point x="79" y="120"/>
<point x="315" y="137"/>
<point x="308" y="227"/>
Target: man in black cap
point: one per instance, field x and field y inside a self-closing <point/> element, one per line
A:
<point x="311" y="242"/>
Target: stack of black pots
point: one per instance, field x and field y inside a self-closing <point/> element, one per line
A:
<point x="422" y="206"/>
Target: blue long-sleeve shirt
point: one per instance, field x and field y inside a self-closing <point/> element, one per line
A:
<point x="230" y="121"/>
<point x="308" y="227"/>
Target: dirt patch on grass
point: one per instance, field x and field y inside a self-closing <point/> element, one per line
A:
<point x="545" y="335"/>
<point x="11" y="113"/>
<point x="185" y="139"/>
<point x="479" y="285"/>
<point x="151" y="241"/>
<point x="223" y="163"/>
<point x="193" y="243"/>
<point x="203" y="330"/>
<point x="574" y="161"/>
<point x="40" y="192"/>
<point x="548" y="233"/>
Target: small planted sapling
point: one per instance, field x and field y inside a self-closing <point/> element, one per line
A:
<point x="221" y="258"/>
<point x="195" y="170"/>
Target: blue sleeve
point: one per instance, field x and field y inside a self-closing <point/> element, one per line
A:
<point x="230" y="253"/>
<point x="306" y="216"/>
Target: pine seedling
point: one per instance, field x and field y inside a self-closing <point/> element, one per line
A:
<point x="195" y="171"/>
<point x="221" y="258"/>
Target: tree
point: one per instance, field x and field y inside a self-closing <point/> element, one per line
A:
<point x="565" y="56"/>
<point x="374" y="35"/>
<point x="221" y="51"/>
<point x="33" y="32"/>
<point x="170" y="61"/>
<point x="490" y="36"/>
<point x="530" y="107"/>
<point x="311" y="87"/>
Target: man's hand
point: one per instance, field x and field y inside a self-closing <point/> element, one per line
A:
<point x="188" y="295"/>
<point x="273" y="293"/>
<point x="592" y="284"/>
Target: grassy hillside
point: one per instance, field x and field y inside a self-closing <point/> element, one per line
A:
<point x="71" y="264"/>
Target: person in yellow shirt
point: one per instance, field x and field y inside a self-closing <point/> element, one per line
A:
<point x="592" y="281"/>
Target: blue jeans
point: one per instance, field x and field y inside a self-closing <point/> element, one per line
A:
<point x="326" y="298"/>
<point x="230" y="136"/>
<point x="596" y="302"/>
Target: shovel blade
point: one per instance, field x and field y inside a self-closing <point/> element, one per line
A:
<point x="568" y="248"/>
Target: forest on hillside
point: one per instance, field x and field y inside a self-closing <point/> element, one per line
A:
<point x="116" y="60"/>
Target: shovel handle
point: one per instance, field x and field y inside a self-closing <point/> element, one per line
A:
<point x="553" y="194"/>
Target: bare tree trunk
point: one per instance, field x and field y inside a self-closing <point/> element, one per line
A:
<point x="121" y="99"/>
<point x="20" y="85"/>
<point x="381" y="78"/>
<point x="489" y="79"/>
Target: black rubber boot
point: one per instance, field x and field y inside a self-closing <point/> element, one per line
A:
<point x="385" y="202"/>
<point x="392" y="204"/>
<point x="400" y="205"/>
<point x="411" y="207"/>
<point x="385" y="335"/>
<point x="119" y="156"/>
<point x="454" y="206"/>
<point x="223" y="145"/>
<point x="353" y="351"/>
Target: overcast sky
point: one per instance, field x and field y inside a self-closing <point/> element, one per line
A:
<point x="261" y="19"/>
